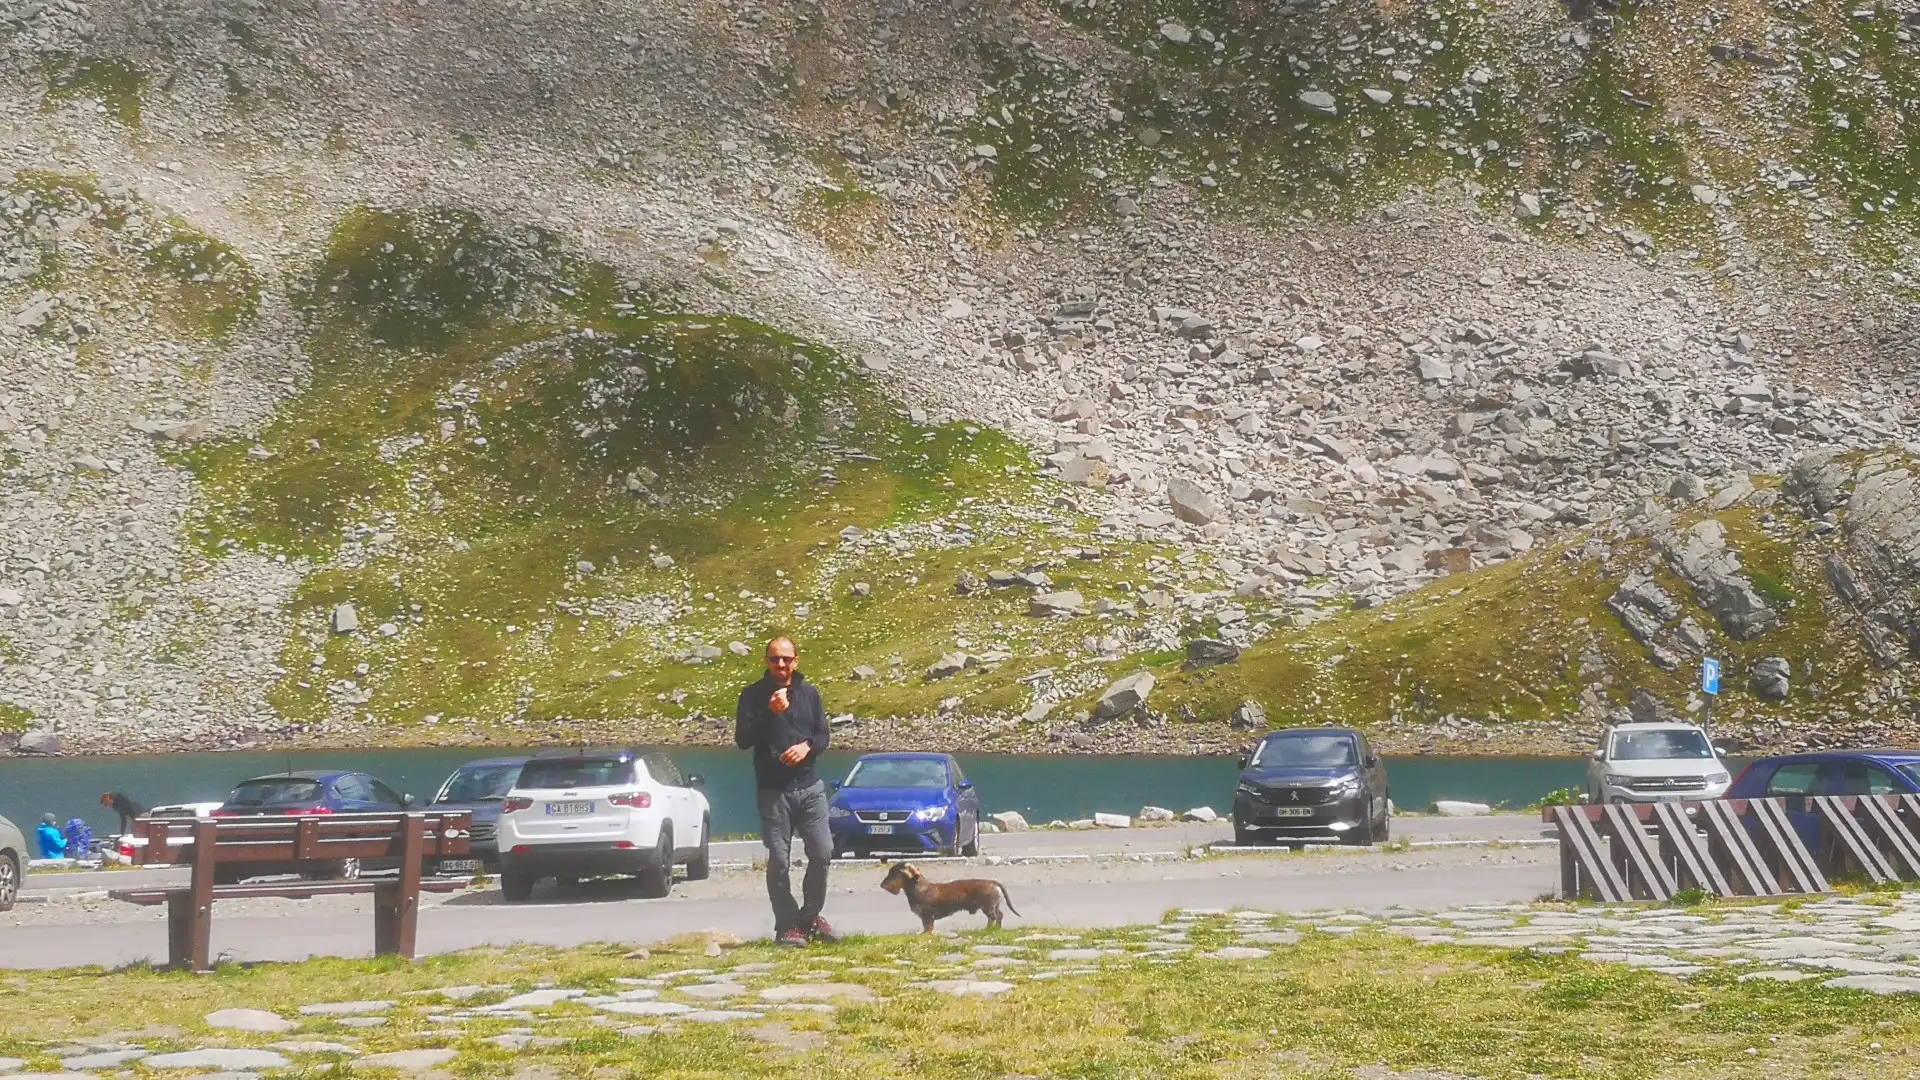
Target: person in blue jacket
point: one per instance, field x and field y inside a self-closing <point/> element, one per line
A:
<point x="53" y="843"/>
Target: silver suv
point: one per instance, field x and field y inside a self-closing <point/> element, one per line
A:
<point x="1655" y="763"/>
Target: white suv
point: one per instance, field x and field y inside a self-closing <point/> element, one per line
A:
<point x="1655" y="763"/>
<point x="594" y="812"/>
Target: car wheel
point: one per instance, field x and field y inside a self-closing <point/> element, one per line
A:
<point x="516" y="888"/>
<point x="656" y="881"/>
<point x="1243" y="836"/>
<point x="226" y="875"/>
<point x="347" y="870"/>
<point x="972" y="846"/>
<point x="1363" y="835"/>
<point x="9" y="880"/>
<point x="700" y="866"/>
<point x="1386" y="827"/>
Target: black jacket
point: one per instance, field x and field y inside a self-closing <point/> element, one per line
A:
<point x="758" y="728"/>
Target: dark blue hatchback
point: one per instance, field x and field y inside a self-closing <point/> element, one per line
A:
<point x="1793" y="777"/>
<point x="918" y="803"/>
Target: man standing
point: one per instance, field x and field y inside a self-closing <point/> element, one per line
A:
<point x="125" y="807"/>
<point x="781" y="720"/>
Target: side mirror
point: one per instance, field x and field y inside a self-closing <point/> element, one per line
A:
<point x="1719" y="751"/>
<point x="696" y="780"/>
<point x="406" y="800"/>
<point x="834" y="784"/>
<point x="1371" y="762"/>
<point x="1243" y="760"/>
<point x="965" y="785"/>
<point x="1599" y="755"/>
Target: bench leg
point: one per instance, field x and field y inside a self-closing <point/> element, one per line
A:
<point x="189" y="930"/>
<point x="396" y="917"/>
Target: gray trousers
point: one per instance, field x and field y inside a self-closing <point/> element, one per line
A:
<point x="783" y="816"/>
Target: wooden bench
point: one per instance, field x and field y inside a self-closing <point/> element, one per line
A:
<point x="295" y="844"/>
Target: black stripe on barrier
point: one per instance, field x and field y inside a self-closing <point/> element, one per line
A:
<point x="1846" y="836"/>
<point x="1883" y="820"/>
<point x="1792" y="856"/>
<point x="1682" y="847"/>
<point x="1636" y="854"/>
<point x="1584" y="868"/>
<point x="1733" y="848"/>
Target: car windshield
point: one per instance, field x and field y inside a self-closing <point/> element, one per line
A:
<point x="593" y="772"/>
<point x="897" y="773"/>
<point x="1912" y="771"/>
<point x="480" y="783"/>
<point x="1660" y="745"/>
<point x="275" y="791"/>
<point x="1304" y="751"/>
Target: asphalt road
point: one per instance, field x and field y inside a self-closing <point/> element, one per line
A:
<point x="1060" y="894"/>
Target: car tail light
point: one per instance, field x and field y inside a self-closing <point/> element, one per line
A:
<point x="623" y="844"/>
<point x="515" y="802"/>
<point x="310" y="811"/>
<point x="223" y="813"/>
<point x="521" y="849"/>
<point x="126" y="848"/>
<point x="637" y="799"/>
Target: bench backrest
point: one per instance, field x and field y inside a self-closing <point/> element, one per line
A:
<point x="303" y="838"/>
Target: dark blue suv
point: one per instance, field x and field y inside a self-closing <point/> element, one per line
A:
<point x="1793" y="777"/>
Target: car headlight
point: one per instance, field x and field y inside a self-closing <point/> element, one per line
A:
<point x="931" y="813"/>
<point x="1718" y="778"/>
<point x="839" y="812"/>
<point x="1615" y="780"/>
<point x="1347" y="786"/>
<point x="1248" y="789"/>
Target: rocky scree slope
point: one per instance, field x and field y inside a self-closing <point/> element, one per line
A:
<point x="1263" y="292"/>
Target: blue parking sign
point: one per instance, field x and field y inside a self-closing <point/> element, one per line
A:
<point x="1710" y="676"/>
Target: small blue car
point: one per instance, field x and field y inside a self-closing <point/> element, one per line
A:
<point x="1826" y="772"/>
<point x="919" y="803"/>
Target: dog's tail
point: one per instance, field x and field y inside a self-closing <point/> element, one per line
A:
<point x="1004" y="895"/>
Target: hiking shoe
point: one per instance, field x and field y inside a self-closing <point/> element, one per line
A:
<point x="795" y="938"/>
<point x="822" y="930"/>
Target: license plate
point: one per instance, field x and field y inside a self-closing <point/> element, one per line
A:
<point x="459" y="866"/>
<point x="880" y="830"/>
<point x="1292" y="811"/>
<point x="558" y="809"/>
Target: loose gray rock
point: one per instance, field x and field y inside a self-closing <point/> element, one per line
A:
<point x="949" y="665"/>
<point x="1771" y="678"/>
<point x="1208" y="652"/>
<point x="346" y="1008"/>
<point x="38" y="742"/>
<point x="345" y="619"/>
<point x="1319" y="101"/>
<point x="1687" y="488"/>
<point x="1702" y="558"/>
<point x="1191" y="503"/>
<point x="1125" y="695"/>
<point x="1154" y="813"/>
<point x="1010" y="821"/>
<point x="1058" y="604"/>
<point x="1249" y="716"/>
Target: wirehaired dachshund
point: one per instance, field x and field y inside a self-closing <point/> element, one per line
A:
<point x="936" y="900"/>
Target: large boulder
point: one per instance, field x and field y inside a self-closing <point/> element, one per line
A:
<point x="1643" y="607"/>
<point x="1191" y="503"/>
<point x="1249" y="716"/>
<point x="1701" y="557"/>
<point x="38" y="742"/>
<point x="1877" y="569"/>
<point x="1010" y="821"/>
<point x="1125" y="695"/>
<point x="1057" y="605"/>
<point x="1207" y="652"/>
<point x="1771" y="678"/>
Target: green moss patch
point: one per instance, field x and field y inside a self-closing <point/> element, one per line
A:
<point x="116" y="84"/>
<point x="550" y="498"/>
<point x="13" y="718"/>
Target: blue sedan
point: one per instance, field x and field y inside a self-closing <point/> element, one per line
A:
<point x="1827" y="772"/>
<point x="918" y="803"/>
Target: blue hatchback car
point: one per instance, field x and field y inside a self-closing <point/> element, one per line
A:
<point x="1827" y="772"/>
<point x="918" y="803"/>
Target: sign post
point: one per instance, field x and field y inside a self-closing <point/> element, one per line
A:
<point x="1710" y="686"/>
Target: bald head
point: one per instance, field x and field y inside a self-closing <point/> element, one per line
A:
<point x="782" y="656"/>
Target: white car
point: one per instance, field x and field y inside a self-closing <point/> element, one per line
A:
<point x="126" y="842"/>
<point x="1655" y="763"/>
<point x="595" y="812"/>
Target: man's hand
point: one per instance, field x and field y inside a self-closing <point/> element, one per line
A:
<point x="779" y="702"/>
<point x="795" y="754"/>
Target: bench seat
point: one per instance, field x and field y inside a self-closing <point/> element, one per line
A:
<point x="300" y="890"/>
